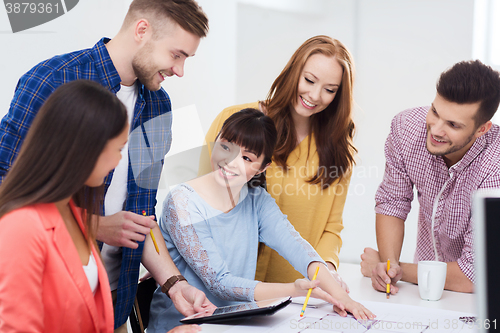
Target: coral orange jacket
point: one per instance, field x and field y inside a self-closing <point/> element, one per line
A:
<point x="43" y="287"/>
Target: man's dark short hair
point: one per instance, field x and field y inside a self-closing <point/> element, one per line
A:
<point x="470" y="82"/>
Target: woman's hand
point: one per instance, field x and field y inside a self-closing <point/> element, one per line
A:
<point x="356" y="309"/>
<point x="302" y="286"/>
<point x="334" y="288"/>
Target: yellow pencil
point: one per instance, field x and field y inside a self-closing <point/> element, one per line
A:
<point x="309" y="293"/>
<point x="152" y="235"/>
<point x="388" y="288"/>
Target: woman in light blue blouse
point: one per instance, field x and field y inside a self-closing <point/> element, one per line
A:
<point x="213" y="224"/>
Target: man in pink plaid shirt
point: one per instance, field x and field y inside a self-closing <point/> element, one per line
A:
<point x="447" y="151"/>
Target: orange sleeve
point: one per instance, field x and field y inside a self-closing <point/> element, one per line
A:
<point x="22" y="262"/>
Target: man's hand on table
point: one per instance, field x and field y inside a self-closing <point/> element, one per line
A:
<point x="373" y="267"/>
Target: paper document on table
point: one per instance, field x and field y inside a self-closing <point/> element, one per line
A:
<point x="312" y="303"/>
<point x="395" y="318"/>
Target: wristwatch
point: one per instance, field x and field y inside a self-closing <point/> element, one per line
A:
<point x="170" y="283"/>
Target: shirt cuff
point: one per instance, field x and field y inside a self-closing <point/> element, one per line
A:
<point x="467" y="268"/>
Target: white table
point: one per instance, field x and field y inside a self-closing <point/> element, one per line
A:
<point x="362" y="290"/>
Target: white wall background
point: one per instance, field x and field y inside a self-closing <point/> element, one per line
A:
<point x="400" y="48"/>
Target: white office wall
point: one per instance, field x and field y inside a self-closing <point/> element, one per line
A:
<point x="268" y="35"/>
<point x="79" y="28"/>
<point x="396" y="72"/>
<point x="400" y="47"/>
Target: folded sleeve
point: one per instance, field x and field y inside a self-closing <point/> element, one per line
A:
<point x="395" y="193"/>
<point x="466" y="260"/>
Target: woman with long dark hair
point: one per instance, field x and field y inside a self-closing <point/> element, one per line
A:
<point x="311" y="105"/>
<point x="213" y="225"/>
<point x="51" y="277"/>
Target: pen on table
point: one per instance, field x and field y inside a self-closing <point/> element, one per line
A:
<point x="309" y="293"/>
<point x="388" y="288"/>
<point x="152" y="235"/>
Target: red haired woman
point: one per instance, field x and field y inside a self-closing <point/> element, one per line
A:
<point x="311" y="105"/>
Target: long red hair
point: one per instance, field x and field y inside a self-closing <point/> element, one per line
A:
<point x="333" y="128"/>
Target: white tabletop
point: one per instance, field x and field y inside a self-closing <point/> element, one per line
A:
<point x="362" y="290"/>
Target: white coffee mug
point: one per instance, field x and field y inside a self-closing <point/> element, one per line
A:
<point x="431" y="279"/>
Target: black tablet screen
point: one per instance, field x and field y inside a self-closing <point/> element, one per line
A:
<point x="238" y="311"/>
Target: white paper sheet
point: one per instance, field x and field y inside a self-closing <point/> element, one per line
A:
<point x="393" y="318"/>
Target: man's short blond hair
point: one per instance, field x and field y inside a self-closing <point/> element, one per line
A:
<point x="186" y="13"/>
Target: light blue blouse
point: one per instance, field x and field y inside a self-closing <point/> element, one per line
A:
<point x="217" y="252"/>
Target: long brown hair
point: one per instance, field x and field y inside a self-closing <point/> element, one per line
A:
<point x="61" y="149"/>
<point x="333" y="127"/>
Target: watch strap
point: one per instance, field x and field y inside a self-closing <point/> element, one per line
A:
<point x="170" y="283"/>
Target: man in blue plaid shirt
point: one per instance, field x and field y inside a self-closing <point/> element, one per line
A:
<point x="155" y="39"/>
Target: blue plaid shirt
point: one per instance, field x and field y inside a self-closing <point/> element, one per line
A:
<point x="148" y="143"/>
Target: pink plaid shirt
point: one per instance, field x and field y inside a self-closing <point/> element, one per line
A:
<point x="444" y="195"/>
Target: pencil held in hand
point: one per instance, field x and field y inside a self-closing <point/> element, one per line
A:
<point x="309" y="293"/>
<point x="388" y="288"/>
<point x="152" y="235"/>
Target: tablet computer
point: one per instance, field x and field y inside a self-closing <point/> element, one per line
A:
<point x="238" y="311"/>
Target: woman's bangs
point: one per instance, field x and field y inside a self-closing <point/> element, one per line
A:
<point x="245" y="133"/>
